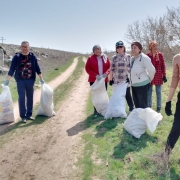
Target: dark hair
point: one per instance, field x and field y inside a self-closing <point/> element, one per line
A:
<point x="25" y="42"/>
<point x="138" y="44"/>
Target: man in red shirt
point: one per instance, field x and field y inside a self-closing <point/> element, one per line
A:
<point x="157" y="60"/>
<point x="97" y="66"/>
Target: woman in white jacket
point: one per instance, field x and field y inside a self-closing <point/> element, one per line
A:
<point x="141" y="74"/>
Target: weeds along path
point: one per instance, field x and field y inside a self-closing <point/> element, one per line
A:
<point x="49" y="152"/>
<point x="54" y="83"/>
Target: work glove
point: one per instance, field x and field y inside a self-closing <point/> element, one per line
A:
<point x="127" y="80"/>
<point x="6" y="83"/>
<point x="164" y="79"/>
<point x="104" y="75"/>
<point x="42" y="81"/>
<point x="98" y="77"/>
<point x="111" y="82"/>
<point x="168" y="108"/>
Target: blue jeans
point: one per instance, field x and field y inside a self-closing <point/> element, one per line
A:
<point x="25" y="88"/>
<point x="158" y="96"/>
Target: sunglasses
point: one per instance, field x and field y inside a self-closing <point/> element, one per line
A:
<point x="119" y="47"/>
<point x="24" y="46"/>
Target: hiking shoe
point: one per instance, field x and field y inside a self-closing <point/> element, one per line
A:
<point x="30" y="118"/>
<point x="23" y="120"/>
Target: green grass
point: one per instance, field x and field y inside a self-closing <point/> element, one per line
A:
<point x="60" y="93"/>
<point x="47" y="76"/>
<point x="128" y="158"/>
<point x="53" y="73"/>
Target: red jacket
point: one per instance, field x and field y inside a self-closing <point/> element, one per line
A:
<point x="159" y="64"/>
<point x="92" y="68"/>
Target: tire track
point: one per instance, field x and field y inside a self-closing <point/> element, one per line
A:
<point x="54" y="83"/>
<point x="52" y="151"/>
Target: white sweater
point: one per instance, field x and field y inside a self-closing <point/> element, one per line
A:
<point x="142" y="69"/>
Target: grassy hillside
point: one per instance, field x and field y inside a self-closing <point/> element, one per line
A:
<point x="48" y="58"/>
<point x="52" y="63"/>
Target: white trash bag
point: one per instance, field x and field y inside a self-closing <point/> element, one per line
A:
<point x="46" y="102"/>
<point x="135" y="125"/>
<point x="151" y="118"/>
<point x="6" y="106"/>
<point x="117" y="102"/>
<point x="100" y="97"/>
<point x="140" y="119"/>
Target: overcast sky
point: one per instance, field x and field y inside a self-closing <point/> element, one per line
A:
<point x="74" y="25"/>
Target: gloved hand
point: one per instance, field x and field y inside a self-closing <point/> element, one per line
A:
<point x="164" y="79"/>
<point x="111" y="82"/>
<point x="168" y="108"/>
<point x="6" y="83"/>
<point x="104" y="75"/>
<point x="127" y="80"/>
<point x="98" y="77"/>
<point x="42" y="81"/>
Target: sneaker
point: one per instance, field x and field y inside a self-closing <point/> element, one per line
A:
<point x="23" y="120"/>
<point x="30" y="118"/>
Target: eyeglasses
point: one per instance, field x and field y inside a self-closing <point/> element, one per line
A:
<point x="119" y="47"/>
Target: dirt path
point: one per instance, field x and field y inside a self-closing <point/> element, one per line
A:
<point x="54" y="83"/>
<point x="49" y="153"/>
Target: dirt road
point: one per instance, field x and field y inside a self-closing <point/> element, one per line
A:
<point x="50" y="152"/>
<point x="54" y="83"/>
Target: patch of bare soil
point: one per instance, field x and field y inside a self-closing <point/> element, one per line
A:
<point x="51" y="152"/>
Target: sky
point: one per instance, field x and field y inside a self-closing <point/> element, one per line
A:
<point x="74" y="25"/>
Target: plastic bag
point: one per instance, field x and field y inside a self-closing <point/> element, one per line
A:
<point x="135" y="125"/>
<point x="117" y="103"/>
<point x="152" y="118"/>
<point x="140" y="119"/>
<point x="46" y="102"/>
<point x="6" y="106"/>
<point x="100" y="97"/>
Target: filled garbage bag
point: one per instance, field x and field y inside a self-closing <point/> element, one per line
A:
<point x="117" y="102"/>
<point x="100" y="97"/>
<point x="151" y="118"/>
<point x="135" y="125"/>
<point x="46" y="102"/>
<point x="140" y="119"/>
<point x="6" y="106"/>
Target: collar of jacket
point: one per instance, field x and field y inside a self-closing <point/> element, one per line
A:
<point x="137" y="57"/>
<point x="120" y="55"/>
